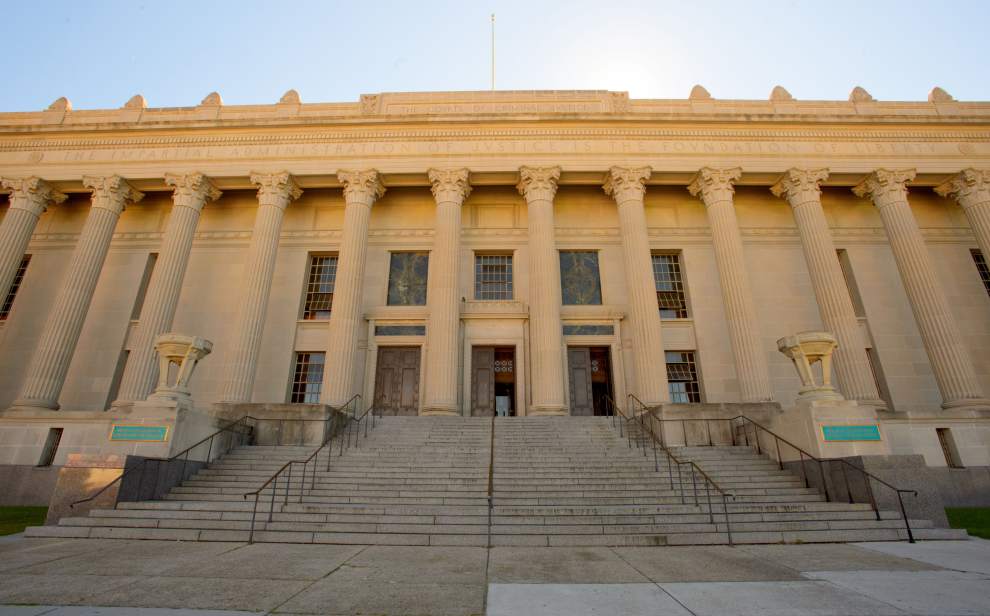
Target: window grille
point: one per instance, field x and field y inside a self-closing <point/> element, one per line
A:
<point x="8" y="303"/>
<point x="669" y="286"/>
<point x="492" y="277"/>
<point x="307" y="380"/>
<point x="682" y="377"/>
<point x="319" y="288"/>
<point x="981" y="267"/>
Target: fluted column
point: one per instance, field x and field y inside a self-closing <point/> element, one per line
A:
<point x="539" y="185"/>
<point x="715" y="188"/>
<point x="951" y="364"/>
<point x="190" y="193"/>
<point x="275" y="192"/>
<point x="361" y="190"/>
<point x="450" y="189"/>
<point x="852" y="367"/>
<point x="971" y="188"/>
<point x="55" y="349"/>
<point x="29" y="198"/>
<point x="628" y="187"/>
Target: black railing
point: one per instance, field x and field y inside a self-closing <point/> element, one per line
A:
<point x="834" y="476"/>
<point x="340" y="424"/>
<point x="162" y="474"/>
<point x="491" y="479"/>
<point x="625" y="421"/>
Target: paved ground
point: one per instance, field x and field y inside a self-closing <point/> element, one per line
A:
<point x="117" y="578"/>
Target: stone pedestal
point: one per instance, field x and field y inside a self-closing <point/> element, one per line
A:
<point x="802" y="425"/>
<point x="191" y="192"/>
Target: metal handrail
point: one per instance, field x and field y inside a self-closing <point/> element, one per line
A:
<point x="182" y="454"/>
<point x="673" y="460"/>
<point x="491" y="480"/>
<point x="821" y="462"/>
<point x="332" y="421"/>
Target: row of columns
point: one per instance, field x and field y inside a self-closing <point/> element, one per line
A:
<point x="887" y="189"/>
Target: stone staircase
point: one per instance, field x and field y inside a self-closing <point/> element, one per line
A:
<point x="558" y="481"/>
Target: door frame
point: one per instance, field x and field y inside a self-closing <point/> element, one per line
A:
<point x="615" y="356"/>
<point x="520" y="373"/>
<point x="369" y="388"/>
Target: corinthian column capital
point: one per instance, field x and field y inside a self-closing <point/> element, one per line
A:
<point x="714" y="185"/>
<point x="969" y="187"/>
<point x="450" y="185"/>
<point x="276" y="189"/>
<point x="32" y="194"/>
<point x="191" y="189"/>
<point x="800" y="186"/>
<point x="112" y="193"/>
<point x="538" y="183"/>
<point x="885" y="186"/>
<point x="626" y="183"/>
<point x="363" y="186"/>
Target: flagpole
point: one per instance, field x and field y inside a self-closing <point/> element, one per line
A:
<point x="493" y="51"/>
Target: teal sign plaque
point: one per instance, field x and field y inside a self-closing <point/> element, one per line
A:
<point x="156" y="434"/>
<point x="851" y="433"/>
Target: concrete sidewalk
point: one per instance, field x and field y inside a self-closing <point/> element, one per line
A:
<point x="117" y="577"/>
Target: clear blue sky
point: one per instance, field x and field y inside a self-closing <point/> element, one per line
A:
<point x="100" y="53"/>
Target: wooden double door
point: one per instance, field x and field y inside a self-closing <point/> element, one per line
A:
<point x="590" y="380"/>
<point x="397" y="380"/>
<point x="493" y="381"/>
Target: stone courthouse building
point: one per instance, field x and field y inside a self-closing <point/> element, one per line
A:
<point x="467" y="253"/>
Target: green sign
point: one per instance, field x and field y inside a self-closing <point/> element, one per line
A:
<point x="851" y="433"/>
<point x="139" y="433"/>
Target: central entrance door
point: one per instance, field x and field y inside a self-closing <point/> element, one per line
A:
<point x="493" y="381"/>
<point x="590" y="378"/>
<point x="397" y="380"/>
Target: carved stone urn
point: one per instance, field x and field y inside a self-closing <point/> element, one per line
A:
<point x="805" y="349"/>
<point x="183" y="352"/>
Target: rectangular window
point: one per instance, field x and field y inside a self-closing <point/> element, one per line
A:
<point x="492" y="277"/>
<point x="407" y="272"/>
<point x="670" y="286"/>
<point x="847" y="273"/>
<point x="149" y="268"/>
<point x="51" y="447"/>
<point x="307" y="380"/>
<point x="878" y="377"/>
<point x="8" y="302"/>
<point x="319" y="288"/>
<point x="682" y="377"/>
<point x="580" y="282"/>
<point x="948" y="447"/>
<point x="981" y="267"/>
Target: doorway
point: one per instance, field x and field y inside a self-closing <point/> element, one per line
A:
<point x="590" y="377"/>
<point x="493" y="381"/>
<point x="397" y="380"/>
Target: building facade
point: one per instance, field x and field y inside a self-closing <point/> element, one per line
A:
<point x="525" y="253"/>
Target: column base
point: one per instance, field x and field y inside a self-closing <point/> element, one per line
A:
<point x="440" y="411"/>
<point x="548" y="411"/>
<point x="968" y="404"/>
<point x="34" y="404"/>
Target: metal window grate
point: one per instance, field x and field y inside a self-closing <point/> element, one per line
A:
<point x="682" y="377"/>
<point x="319" y="289"/>
<point x="669" y="286"/>
<point x="8" y="303"/>
<point x="492" y="277"/>
<point x="981" y="266"/>
<point x="307" y="380"/>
